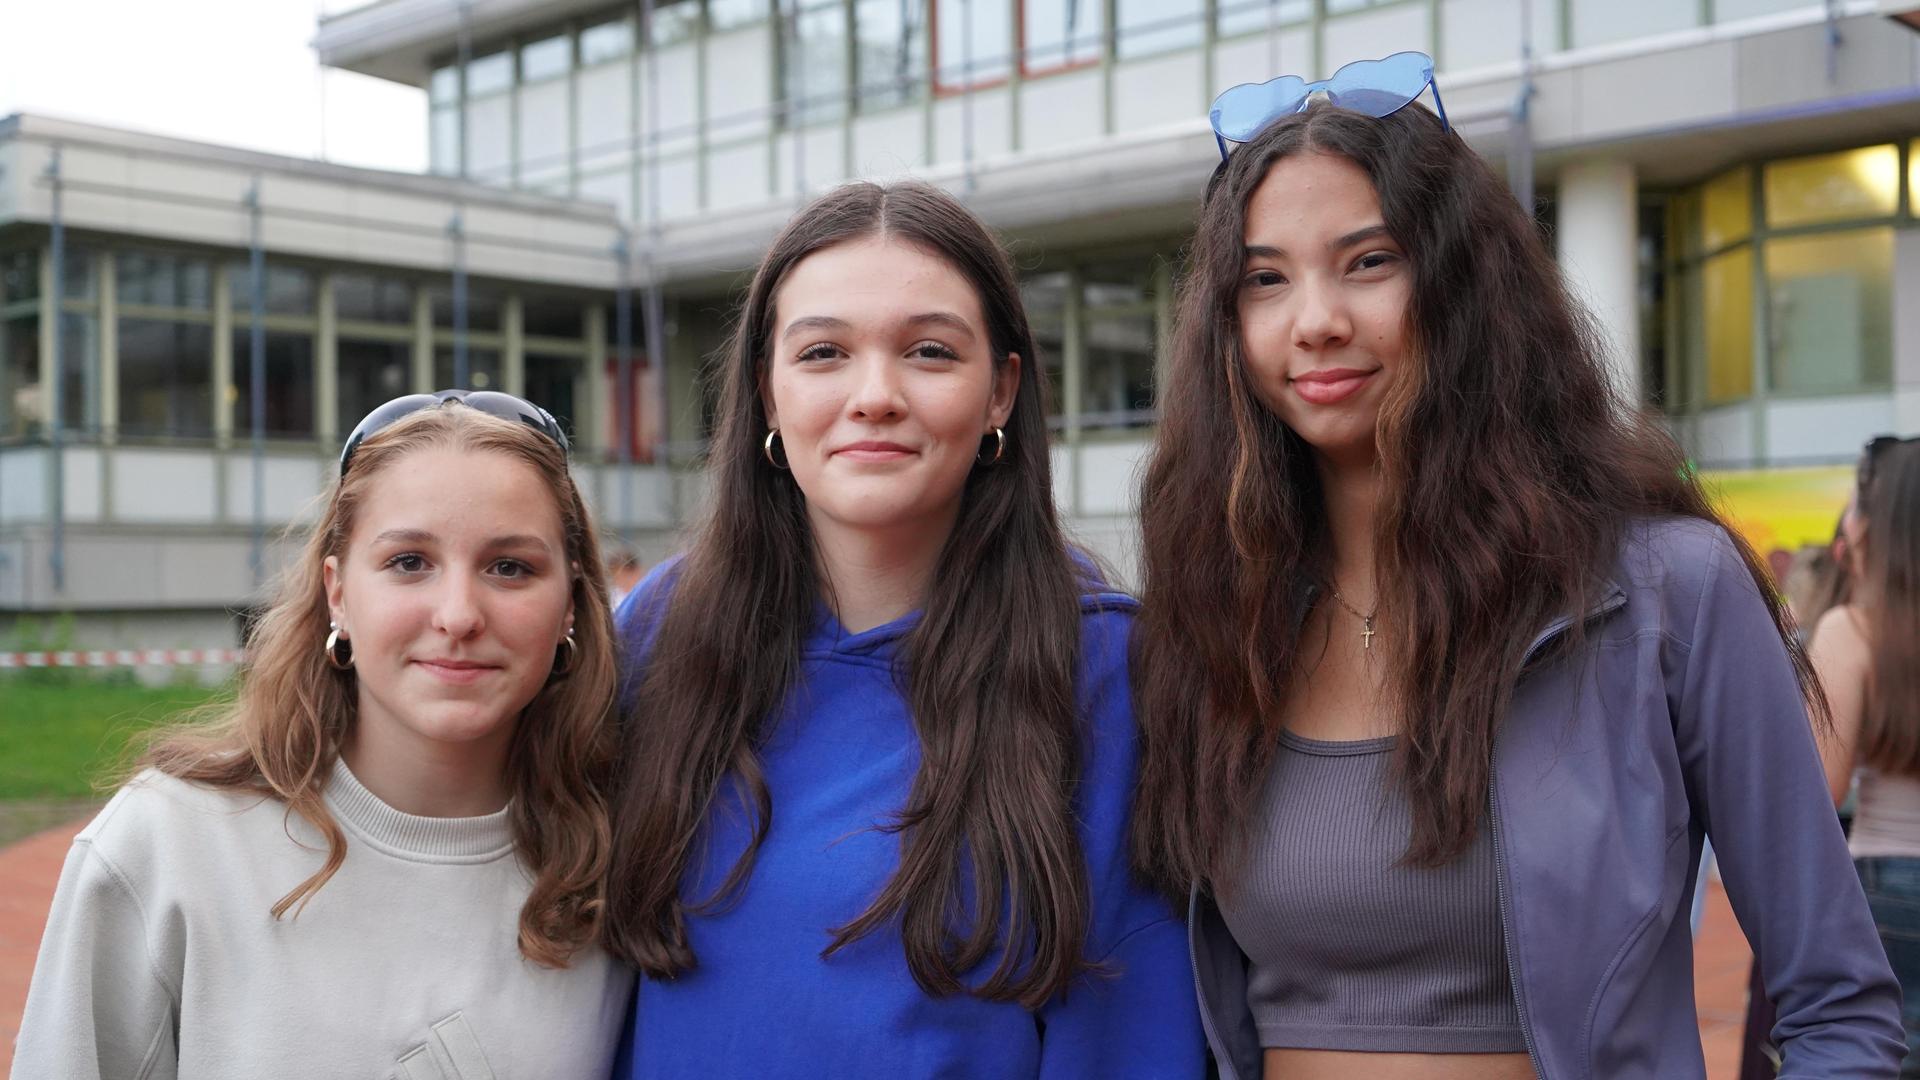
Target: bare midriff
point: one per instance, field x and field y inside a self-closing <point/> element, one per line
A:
<point x="1350" y="1065"/>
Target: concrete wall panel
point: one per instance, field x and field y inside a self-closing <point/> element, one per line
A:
<point x="891" y="143"/>
<point x="737" y="176"/>
<point x="1372" y="34"/>
<point x="1825" y="428"/>
<point x="1060" y="110"/>
<point x="992" y="129"/>
<point x="1160" y="90"/>
<point x="1259" y="58"/>
<point x="163" y="486"/>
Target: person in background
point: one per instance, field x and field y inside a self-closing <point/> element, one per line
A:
<point x="1867" y="653"/>
<point x="623" y="573"/>
<point x="1445" y="666"/>
<point x="880" y="745"/>
<point x="386" y="856"/>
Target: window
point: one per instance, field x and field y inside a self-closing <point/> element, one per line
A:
<point x="971" y="51"/>
<point x="166" y="378"/>
<point x="606" y="41"/>
<point x="483" y="369"/>
<point x="550" y="384"/>
<point x="816" y="61"/>
<point x="443" y="147"/>
<point x="545" y="59"/>
<point x="483" y="308"/>
<point x="1117" y="385"/>
<point x="365" y="298"/>
<point x="1250" y="16"/>
<point x="1830" y="311"/>
<point x="673" y="21"/>
<point x="444" y="86"/>
<point x="1852" y="184"/>
<point x="728" y="14"/>
<point x="552" y="317"/>
<point x="153" y="279"/>
<point x="891" y="49"/>
<point x="1597" y="22"/>
<point x="80" y="371"/>
<point x="23" y="393"/>
<point x="77" y="278"/>
<point x="1726" y="301"/>
<point x="1147" y="27"/>
<point x="1045" y="298"/>
<point x="371" y="373"/>
<point x="489" y="74"/>
<point x="19" y="276"/>
<point x="1726" y="209"/>
<point x="1061" y="33"/>
<point x="289" y="384"/>
<point x="289" y="289"/>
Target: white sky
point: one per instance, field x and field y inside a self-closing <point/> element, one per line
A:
<point x="234" y="72"/>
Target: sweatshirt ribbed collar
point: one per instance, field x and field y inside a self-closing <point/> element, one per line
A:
<point x="409" y="836"/>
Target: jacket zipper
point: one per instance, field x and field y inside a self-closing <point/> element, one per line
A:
<point x="1553" y="630"/>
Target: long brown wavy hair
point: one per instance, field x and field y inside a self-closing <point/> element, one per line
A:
<point x="990" y="860"/>
<point x="1509" y="470"/>
<point x="1889" y="603"/>
<point x="283" y="732"/>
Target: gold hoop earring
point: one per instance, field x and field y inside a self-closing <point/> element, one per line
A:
<point x="572" y="656"/>
<point x="766" y="448"/>
<point x="332" y="649"/>
<point x="999" y="447"/>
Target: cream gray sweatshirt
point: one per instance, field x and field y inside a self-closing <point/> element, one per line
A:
<point x="162" y="957"/>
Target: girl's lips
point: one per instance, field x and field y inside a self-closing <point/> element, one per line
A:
<point x="874" y="451"/>
<point x="457" y="673"/>
<point x="1321" y="390"/>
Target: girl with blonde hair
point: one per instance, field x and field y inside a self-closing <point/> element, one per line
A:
<point x="384" y="857"/>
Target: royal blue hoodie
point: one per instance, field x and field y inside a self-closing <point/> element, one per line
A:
<point x="840" y="759"/>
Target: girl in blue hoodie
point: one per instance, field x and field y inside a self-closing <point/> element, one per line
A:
<point x="879" y="749"/>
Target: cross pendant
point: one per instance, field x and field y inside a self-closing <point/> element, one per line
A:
<point x="1368" y="633"/>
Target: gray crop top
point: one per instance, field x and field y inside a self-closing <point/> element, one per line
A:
<point x="1349" y="950"/>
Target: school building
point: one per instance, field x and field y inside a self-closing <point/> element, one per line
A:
<point x="1730" y="183"/>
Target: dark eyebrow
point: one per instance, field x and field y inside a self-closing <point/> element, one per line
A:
<point x="943" y="318"/>
<point x="422" y="536"/>
<point x="814" y="322"/>
<point x="839" y="326"/>
<point x="1371" y="232"/>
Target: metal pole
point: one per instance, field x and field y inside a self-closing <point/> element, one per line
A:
<point x="56" y="406"/>
<point x="966" y="101"/>
<point x="257" y="381"/>
<point x="456" y="229"/>
<point x="796" y="111"/>
<point x="656" y="333"/>
<point x="623" y="381"/>
<point x="465" y="50"/>
<point x="1520" y="120"/>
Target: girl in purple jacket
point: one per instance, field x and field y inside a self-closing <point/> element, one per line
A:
<point x="1446" y="667"/>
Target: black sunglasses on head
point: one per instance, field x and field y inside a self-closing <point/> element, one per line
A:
<point x="491" y="402"/>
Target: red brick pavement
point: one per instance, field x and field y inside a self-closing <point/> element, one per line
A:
<point x="28" y="872"/>
<point x="30" y="868"/>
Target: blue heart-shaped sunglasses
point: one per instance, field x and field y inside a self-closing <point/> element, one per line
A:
<point x="1373" y="87"/>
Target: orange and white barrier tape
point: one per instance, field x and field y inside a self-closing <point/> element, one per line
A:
<point x="121" y="658"/>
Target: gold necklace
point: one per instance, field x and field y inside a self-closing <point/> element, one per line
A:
<point x="1366" y="619"/>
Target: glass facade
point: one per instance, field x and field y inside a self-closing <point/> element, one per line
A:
<point x="1787" y="277"/>
<point x="181" y="347"/>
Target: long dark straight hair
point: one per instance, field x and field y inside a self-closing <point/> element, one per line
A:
<point x="1889" y="600"/>
<point x="989" y="856"/>
<point x="1509" y="471"/>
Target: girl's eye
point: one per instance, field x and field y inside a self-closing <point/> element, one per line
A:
<point x="407" y="563"/>
<point x="511" y="568"/>
<point x="1265" y="278"/>
<point x="933" y="350"/>
<point x="1374" y="260"/>
<point x="822" y="351"/>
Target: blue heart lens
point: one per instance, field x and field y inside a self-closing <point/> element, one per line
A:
<point x="1240" y="113"/>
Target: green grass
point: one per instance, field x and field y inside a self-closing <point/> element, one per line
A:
<point x="62" y="738"/>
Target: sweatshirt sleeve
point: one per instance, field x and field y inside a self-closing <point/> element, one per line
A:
<point x="1757" y="785"/>
<point x="1136" y="1015"/>
<point x="97" y="1008"/>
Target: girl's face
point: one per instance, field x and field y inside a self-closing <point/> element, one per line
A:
<point x="1323" y="303"/>
<point x="882" y="383"/>
<point x="455" y="591"/>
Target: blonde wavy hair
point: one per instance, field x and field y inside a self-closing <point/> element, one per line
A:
<point x="282" y="733"/>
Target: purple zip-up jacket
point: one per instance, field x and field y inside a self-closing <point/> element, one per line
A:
<point x="1679" y="718"/>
